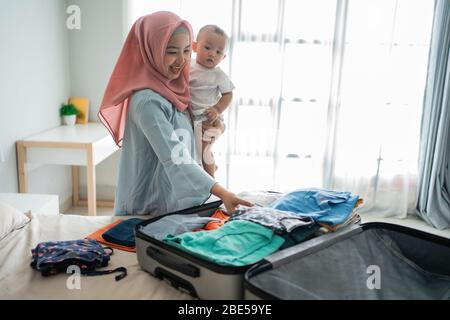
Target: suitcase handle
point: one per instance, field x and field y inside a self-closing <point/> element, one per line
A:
<point x="175" y="281"/>
<point x="173" y="263"/>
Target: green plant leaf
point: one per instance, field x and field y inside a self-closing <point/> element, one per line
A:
<point x="68" y="110"/>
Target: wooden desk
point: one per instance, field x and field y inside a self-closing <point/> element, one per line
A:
<point x="78" y="145"/>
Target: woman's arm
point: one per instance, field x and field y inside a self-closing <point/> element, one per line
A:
<point x="188" y="178"/>
<point x="173" y="146"/>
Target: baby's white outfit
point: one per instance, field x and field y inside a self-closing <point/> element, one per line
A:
<point x="206" y="87"/>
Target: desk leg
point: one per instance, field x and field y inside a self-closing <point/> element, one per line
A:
<point x="90" y="170"/>
<point x="21" y="170"/>
<point x="75" y="186"/>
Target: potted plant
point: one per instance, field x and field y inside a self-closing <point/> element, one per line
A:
<point x="69" y="114"/>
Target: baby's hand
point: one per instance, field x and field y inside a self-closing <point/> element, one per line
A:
<point x="212" y="114"/>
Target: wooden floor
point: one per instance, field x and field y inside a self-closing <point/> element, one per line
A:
<point x="101" y="211"/>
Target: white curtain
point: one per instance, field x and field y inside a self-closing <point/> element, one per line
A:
<point x="328" y="93"/>
<point x="379" y="108"/>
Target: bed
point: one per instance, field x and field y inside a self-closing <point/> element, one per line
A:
<point x="19" y="281"/>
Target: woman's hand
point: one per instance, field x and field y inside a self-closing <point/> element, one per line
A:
<point x="230" y="200"/>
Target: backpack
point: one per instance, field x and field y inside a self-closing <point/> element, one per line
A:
<point x="56" y="256"/>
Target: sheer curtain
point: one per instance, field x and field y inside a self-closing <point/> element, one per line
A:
<point x="384" y="66"/>
<point x="328" y="93"/>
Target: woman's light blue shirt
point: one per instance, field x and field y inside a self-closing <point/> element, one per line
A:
<point x="157" y="171"/>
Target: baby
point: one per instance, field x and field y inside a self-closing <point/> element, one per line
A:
<point x="211" y="91"/>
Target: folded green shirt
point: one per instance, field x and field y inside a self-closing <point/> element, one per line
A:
<point x="237" y="243"/>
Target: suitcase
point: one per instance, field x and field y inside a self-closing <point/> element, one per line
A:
<point x="196" y="276"/>
<point x="364" y="262"/>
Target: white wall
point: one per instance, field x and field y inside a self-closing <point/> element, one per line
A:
<point x="94" y="50"/>
<point x="42" y="64"/>
<point x="34" y="81"/>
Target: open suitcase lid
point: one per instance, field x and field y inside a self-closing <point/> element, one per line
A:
<point x="367" y="261"/>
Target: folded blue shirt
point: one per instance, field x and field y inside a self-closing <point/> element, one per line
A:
<point x="122" y="233"/>
<point x="324" y="206"/>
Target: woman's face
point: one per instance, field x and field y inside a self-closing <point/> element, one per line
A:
<point x="178" y="52"/>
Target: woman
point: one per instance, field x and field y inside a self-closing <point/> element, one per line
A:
<point x="145" y="108"/>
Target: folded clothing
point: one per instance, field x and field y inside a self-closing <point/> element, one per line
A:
<point x="176" y="224"/>
<point x="324" y="206"/>
<point x="122" y="233"/>
<point x="98" y="235"/>
<point x="260" y="198"/>
<point x="354" y="218"/>
<point x="215" y="224"/>
<point x="236" y="243"/>
<point x="279" y="221"/>
<point x="299" y="235"/>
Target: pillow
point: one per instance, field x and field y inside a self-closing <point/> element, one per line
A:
<point x="11" y="219"/>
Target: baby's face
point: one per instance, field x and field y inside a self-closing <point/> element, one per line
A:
<point x="210" y="49"/>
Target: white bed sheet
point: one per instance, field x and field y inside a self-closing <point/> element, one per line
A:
<point x="19" y="281"/>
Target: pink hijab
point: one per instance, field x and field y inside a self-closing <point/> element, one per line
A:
<point x="139" y="67"/>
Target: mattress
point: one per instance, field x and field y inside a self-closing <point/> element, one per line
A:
<point x="19" y="281"/>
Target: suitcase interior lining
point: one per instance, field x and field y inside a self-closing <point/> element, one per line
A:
<point x="407" y="267"/>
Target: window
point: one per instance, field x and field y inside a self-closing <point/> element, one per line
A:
<point x="328" y="92"/>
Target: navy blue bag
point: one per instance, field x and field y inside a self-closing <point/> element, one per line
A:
<point x="56" y="256"/>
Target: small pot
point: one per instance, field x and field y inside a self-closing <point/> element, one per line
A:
<point x="69" y="120"/>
